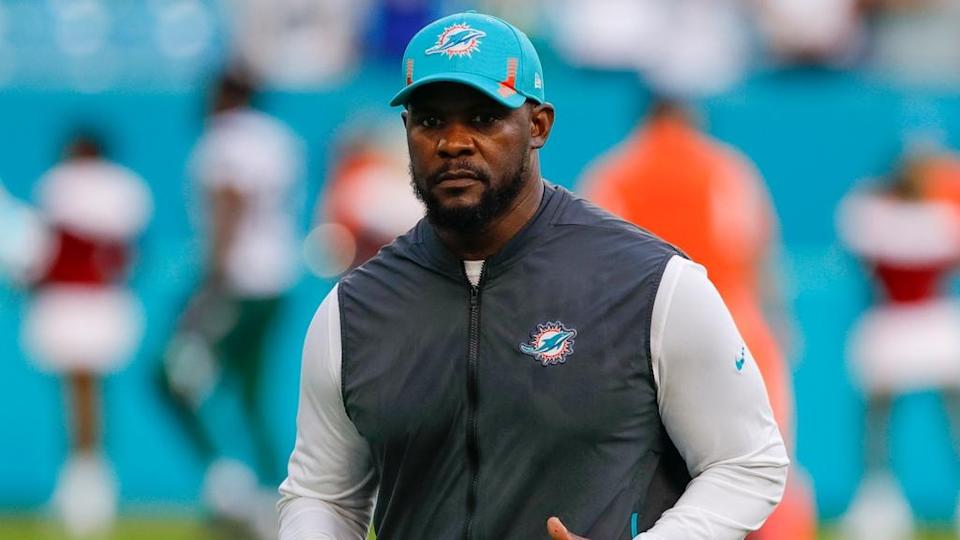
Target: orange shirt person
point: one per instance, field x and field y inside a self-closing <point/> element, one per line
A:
<point x="942" y="171"/>
<point x="708" y="200"/>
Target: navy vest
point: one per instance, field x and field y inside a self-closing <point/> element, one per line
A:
<point x="490" y="408"/>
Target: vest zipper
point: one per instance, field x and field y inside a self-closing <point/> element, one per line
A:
<point x="473" y="451"/>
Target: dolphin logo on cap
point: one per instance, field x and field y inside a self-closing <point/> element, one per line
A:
<point x="457" y="40"/>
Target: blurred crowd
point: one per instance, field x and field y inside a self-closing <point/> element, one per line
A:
<point x="72" y="245"/>
<point x="688" y="46"/>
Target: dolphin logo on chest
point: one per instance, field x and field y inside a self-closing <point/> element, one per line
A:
<point x="550" y="344"/>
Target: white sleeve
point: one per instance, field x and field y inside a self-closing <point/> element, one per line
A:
<point x="331" y="483"/>
<point x="715" y="408"/>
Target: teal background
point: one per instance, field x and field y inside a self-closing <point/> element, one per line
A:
<point x="811" y="133"/>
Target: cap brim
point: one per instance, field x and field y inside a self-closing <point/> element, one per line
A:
<point x="494" y="89"/>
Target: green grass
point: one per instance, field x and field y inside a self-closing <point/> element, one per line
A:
<point x="20" y="528"/>
<point x="832" y="534"/>
<point x="27" y="528"/>
<point x="35" y="528"/>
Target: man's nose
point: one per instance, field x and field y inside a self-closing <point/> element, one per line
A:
<point x="455" y="141"/>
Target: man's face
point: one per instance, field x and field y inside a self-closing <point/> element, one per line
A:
<point x="469" y="155"/>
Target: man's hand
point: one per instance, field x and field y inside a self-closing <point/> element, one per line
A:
<point x="557" y="531"/>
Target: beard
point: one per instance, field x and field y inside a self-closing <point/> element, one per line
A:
<point x="494" y="202"/>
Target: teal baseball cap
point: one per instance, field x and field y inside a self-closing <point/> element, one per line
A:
<point x="480" y="51"/>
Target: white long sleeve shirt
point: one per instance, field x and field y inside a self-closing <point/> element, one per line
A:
<point x="711" y="398"/>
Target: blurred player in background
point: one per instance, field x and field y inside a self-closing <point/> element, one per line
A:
<point x="909" y="340"/>
<point x="248" y="165"/>
<point x="83" y="321"/>
<point x="367" y="202"/>
<point x="708" y="200"/>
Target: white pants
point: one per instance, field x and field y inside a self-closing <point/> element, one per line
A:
<point x="76" y="327"/>
<point x="899" y="348"/>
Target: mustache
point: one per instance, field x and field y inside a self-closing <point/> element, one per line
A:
<point x="459" y="169"/>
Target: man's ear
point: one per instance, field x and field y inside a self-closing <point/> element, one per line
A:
<point x="541" y="122"/>
<point x="403" y="116"/>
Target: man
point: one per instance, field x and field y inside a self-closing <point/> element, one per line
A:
<point x="248" y="165"/>
<point x="520" y="355"/>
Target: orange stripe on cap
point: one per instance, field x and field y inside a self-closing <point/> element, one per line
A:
<point x="508" y="85"/>
<point x="409" y="71"/>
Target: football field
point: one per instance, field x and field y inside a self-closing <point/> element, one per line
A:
<point x="25" y="528"/>
<point x="22" y="528"/>
<point x="32" y="528"/>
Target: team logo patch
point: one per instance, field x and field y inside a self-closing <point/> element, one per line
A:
<point x="457" y="40"/>
<point x="550" y="344"/>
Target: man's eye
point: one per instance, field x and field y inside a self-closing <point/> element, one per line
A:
<point x="430" y="121"/>
<point x="485" y="118"/>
